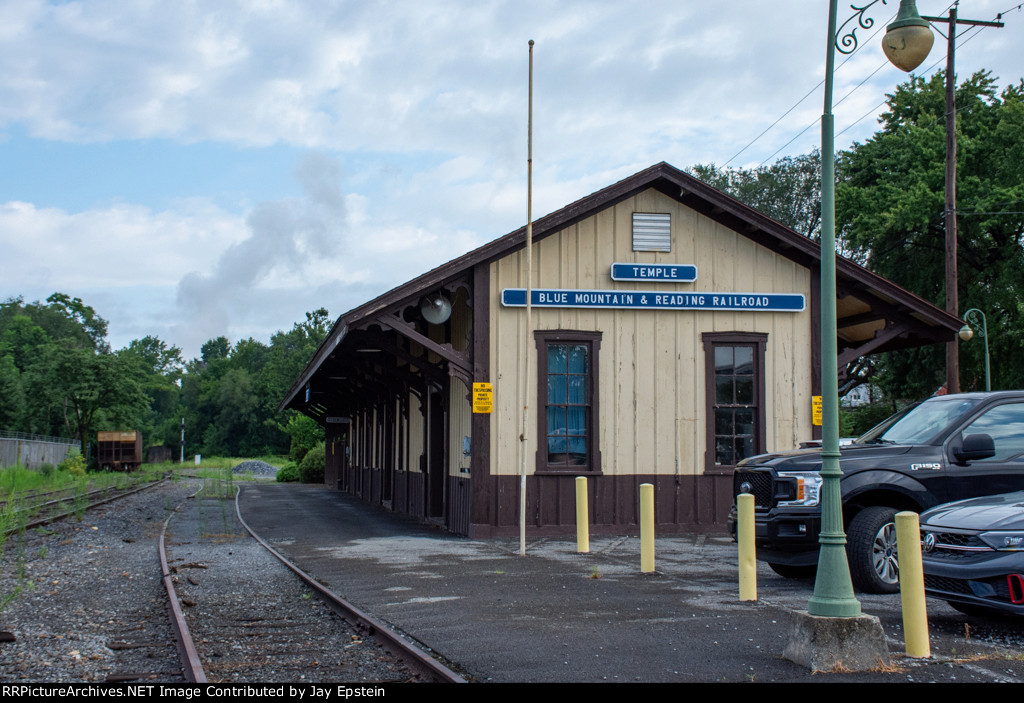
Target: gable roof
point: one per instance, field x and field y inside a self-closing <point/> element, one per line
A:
<point x="866" y="301"/>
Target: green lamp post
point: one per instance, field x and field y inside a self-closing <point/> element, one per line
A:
<point x="967" y="331"/>
<point x="904" y="40"/>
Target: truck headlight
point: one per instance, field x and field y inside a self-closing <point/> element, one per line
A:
<point x="808" y="488"/>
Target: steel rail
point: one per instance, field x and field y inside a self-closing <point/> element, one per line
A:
<point x="191" y="666"/>
<point x="412" y="655"/>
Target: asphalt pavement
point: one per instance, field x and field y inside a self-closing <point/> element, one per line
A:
<point x="558" y="616"/>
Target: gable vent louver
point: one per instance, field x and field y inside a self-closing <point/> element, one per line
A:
<point x="652" y="231"/>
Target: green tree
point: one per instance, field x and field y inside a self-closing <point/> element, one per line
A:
<point x="82" y="388"/>
<point x="21" y="339"/>
<point x="305" y="434"/>
<point x="159" y="368"/>
<point x="788" y="191"/>
<point x="889" y="207"/>
<point x="57" y="373"/>
<point x="12" y="395"/>
<point x="229" y="398"/>
<point x="214" y="349"/>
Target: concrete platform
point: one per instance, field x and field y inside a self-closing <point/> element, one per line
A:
<point x="557" y="616"/>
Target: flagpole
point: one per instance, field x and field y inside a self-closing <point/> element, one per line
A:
<point x="529" y="313"/>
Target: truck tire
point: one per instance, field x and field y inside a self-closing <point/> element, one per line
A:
<point x="871" y="550"/>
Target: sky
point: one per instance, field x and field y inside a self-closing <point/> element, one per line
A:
<point x="198" y="169"/>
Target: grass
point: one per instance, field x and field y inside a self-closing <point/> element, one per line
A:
<point x="13" y="520"/>
<point x="17" y="480"/>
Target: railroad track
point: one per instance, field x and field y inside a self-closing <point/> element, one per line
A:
<point x="247" y="614"/>
<point x="42" y="510"/>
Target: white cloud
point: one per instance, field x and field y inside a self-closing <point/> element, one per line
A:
<point x="116" y="247"/>
<point x="429" y="99"/>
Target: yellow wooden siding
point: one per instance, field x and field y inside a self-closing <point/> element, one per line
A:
<point x="651" y="363"/>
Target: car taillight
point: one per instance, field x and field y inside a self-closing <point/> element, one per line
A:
<point x="1015" y="582"/>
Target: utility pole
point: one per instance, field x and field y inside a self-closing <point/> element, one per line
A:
<point x="949" y="215"/>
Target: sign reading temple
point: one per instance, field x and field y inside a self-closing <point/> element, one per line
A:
<point x="672" y="273"/>
<point x="653" y="300"/>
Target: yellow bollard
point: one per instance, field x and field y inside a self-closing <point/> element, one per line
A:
<point x="582" y="516"/>
<point x="646" y="527"/>
<point x="915" y="614"/>
<point x="748" y="553"/>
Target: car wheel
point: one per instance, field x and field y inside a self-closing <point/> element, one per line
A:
<point x="794" y="572"/>
<point x="871" y="550"/>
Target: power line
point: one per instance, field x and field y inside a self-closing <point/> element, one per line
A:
<point x="800" y="101"/>
<point x="971" y="32"/>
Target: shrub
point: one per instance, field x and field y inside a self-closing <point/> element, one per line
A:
<point x="305" y="434"/>
<point x="45" y="469"/>
<point x="311" y="470"/>
<point x="288" y="473"/>
<point x="74" y="464"/>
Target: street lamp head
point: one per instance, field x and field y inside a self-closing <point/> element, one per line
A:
<point x="966" y="333"/>
<point x="908" y="40"/>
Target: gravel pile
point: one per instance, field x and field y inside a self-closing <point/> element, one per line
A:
<point x="256" y="468"/>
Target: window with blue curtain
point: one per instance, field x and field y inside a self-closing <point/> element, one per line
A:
<point x="568" y="404"/>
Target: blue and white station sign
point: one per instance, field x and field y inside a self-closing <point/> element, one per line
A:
<point x="653" y="300"/>
<point x="670" y="273"/>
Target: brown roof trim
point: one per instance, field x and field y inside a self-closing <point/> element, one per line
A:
<point x="673" y="183"/>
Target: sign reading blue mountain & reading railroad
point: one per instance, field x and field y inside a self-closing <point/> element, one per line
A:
<point x="653" y="300"/>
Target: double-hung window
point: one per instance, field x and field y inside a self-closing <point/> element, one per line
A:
<point x="734" y="391"/>
<point x="567" y="401"/>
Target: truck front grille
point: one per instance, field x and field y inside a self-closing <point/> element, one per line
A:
<point x="758" y="483"/>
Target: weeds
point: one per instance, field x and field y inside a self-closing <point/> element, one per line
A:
<point x="81" y="501"/>
<point x="884" y="668"/>
<point x="12" y="522"/>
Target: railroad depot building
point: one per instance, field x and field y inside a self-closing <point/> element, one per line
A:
<point x="674" y="332"/>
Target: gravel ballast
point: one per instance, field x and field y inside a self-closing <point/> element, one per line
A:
<point x="92" y="607"/>
<point x="251" y="619"/>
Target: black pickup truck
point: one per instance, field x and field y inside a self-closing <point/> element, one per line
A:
<point x="946" y="448"/>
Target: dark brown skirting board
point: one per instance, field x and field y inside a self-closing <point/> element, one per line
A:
<point x="683" y="504"/>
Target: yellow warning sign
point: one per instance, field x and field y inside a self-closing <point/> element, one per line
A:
<point x="483" y="398"/>
<point x="816" y="410"/>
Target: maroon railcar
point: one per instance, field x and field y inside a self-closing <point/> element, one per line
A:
<point x="119" y="451"/>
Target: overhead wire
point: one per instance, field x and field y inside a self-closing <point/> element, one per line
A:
<point x="967" y="36"/>
<point x="801" y="100"/>
<point x="818" y="121"/>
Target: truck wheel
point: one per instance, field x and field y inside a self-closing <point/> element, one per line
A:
<point x="794" y="572"/>
<point x="871" y="550"/>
